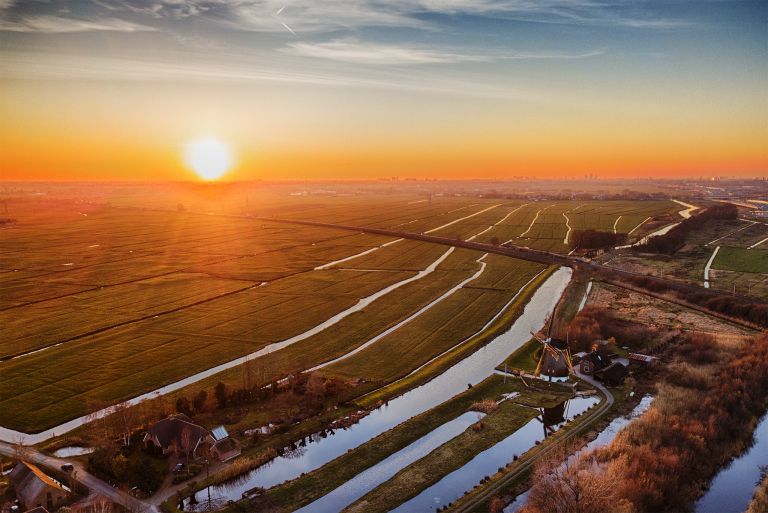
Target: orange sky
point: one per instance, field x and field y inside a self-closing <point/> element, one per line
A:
<point x="622" y="92"/>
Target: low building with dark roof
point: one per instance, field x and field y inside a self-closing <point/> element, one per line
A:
<point x="177" y="435"/>
<point x="613" y="375"/>
<point x="34" y="487"/>
<point x="172" y="433"/>
<point x="593" y="361"/>
<point x="223" y="446"/>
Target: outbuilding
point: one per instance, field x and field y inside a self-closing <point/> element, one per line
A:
<point x="35" y="488"/>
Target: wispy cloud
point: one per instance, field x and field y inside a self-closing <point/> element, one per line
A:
<point x="324" y="15"/>
<point x="351" y="14"/>
<point x="60" y="24"/>
<point x="360" y="52"/>
<point x="39" y="66"/>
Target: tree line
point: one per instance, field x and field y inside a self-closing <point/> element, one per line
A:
<point x="675" y="238"/>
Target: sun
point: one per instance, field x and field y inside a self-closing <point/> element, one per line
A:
<point x="209" y="158"/>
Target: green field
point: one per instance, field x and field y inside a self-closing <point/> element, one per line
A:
<point x="129" y="299"/>
<point x="742" y="260"/>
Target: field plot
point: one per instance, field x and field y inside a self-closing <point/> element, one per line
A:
<point x="152" y="297"/>
<point x="395" y="212"/>
<point x="58" y="320"/>
<point x="437" y="330"/>
<point x="544" y="225"/>
<point x="137" y="299"/>
<point x="746" y="235"/>
<point x="405" y="255"/>
<point x="742" y="260"/>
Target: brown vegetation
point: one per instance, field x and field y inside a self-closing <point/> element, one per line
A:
<point x="734" y="307"/>
<point x="674" y="239"/>
<point x="242" y="465"/>
<point x="594" y="323"/>
<point x="759" y="502"/>
<point x="485" y="406"/>
<point x="566" y="485"/>
<point x="704" y="413"/>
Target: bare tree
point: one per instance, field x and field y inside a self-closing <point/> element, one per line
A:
<point x="20" y="450"/>
<point x="186" y="441"/>
<point x="576" y="484"/>
<point x="126" y="420"/>
<point x="96" y="425"/>
<point x="100" y="505"/>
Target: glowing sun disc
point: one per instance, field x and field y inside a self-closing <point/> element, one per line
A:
<point x="208" y="158"/>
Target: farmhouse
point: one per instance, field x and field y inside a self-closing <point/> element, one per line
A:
<point x="34" y="487"/>
<point x="612" y="375"/>
<point x="592" y="362"/>
<point x="177" y="435"/>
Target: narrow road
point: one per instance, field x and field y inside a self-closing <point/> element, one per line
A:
<point x="709" y="265"/>
<point x="93" y="483"/>
<point x="494" y="487"/>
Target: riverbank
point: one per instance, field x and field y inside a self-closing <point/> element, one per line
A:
<point x="315" y="484"/>
<point x="473" y="369"/>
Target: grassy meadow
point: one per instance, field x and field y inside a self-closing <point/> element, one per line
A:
<point x="133" y="292"/>
<point x="742" y="260"/>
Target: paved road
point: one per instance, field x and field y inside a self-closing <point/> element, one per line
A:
<point x="495" y="487"/>
<point x="93" y="483"/>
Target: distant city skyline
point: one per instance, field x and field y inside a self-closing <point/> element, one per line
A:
<point x="462" y="89"/>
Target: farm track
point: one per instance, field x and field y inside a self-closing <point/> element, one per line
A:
<point x="81" y="475"/>
<point x="751" y="223"/>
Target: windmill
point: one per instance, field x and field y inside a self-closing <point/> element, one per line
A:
<point x="555" y="359"/>
<point x="552" y="417"/>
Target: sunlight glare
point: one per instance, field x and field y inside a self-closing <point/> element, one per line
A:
<point x="209" y="158"/>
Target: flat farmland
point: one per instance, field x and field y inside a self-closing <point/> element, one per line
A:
<point x="126" y="300"/>
<point x="454" y="319"/>
<point x="742" y="260"/>
<point x="212" y="334"/>
<point x="544" y="225"/>
<point x="185" y="292"/>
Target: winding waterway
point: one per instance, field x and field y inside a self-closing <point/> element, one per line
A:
<point x="732" y="489"/>
<point x="486" y="463"/>
<point x="369" y="479"/>
<point x="454" y="380"/>
<point x="605" y="437"/>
